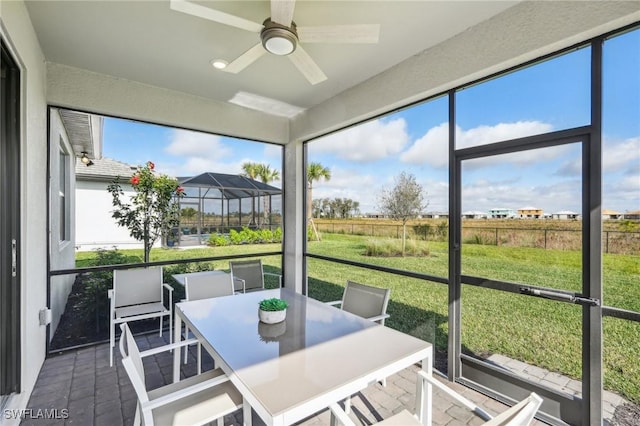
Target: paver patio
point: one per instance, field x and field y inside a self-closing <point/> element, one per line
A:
<point x="92" y="393"/>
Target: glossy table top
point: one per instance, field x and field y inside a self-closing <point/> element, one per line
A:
<point x="319" y="352"/>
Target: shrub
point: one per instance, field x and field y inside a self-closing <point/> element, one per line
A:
<point x="422" y="230"/>
<point x="480" y="239"/>
<point x="393" y="248"/>
<point x="442" y="231"/>
<point x="218" y="240"/>
<point x="235" y="237"/>
<point x="93" y="303"/>
<point x="246" y="236"/>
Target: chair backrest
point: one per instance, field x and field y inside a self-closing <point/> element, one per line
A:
<point x="250" y="271"/>
<point x="132" y="362"/>
<point x="206" y="286"/>
<point x="521" y="414"/>
<point x="137" y="286"/>
<point x="364" y="300"/>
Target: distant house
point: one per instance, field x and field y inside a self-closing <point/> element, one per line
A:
<point x="634" y="215"/>
<point x="502" y="213"/>
<point x="474" y="215"/>
<point x="95" y="228"/>
<point x="436" y="215"/>
<point x="530" y="213"/>
<point x="565" y="215"/>
<point x="375" y="215"/>
<point x="611" y="214"/>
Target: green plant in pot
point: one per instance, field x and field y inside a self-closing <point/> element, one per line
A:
<point x="272" y="310"/>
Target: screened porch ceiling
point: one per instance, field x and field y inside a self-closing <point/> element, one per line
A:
<point x="424" y="48"/>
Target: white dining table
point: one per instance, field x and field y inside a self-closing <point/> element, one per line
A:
<point x="317" y="356"/>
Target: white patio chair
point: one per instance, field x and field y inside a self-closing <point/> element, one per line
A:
<point x="204" y="287"/>
<point x="365" y="301"/>
<point x="137" y="294"/>
<point x="248" y="275"/>
<point x="196" y="400"/>
<point x="521" y="414"/>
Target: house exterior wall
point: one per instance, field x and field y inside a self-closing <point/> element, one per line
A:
<point x="530" y="213"/>
<point x="16" y="30"/>
<point x="95" y="228"/>
<point x="62" y="248"/>
<point x="502" y="213"/>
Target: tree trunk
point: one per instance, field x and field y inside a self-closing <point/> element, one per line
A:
<point x="309" y="207"/>
<point x="404" y="237"/>
<point x="147" y="249"/>
<point x="265" y="200"/>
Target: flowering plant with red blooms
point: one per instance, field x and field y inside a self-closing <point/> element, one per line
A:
<point x="154" y="207"/>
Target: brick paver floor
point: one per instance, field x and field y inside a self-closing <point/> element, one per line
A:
<point x="81" y="383"/>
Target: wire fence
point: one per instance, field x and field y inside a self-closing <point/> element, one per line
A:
<point x="617" y="242"/>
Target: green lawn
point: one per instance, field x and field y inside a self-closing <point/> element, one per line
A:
<point x="537" y="331"/>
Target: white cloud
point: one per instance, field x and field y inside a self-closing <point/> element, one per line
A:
<point x="198" y="145"/>
<point x="193" y="153"/>
<point x="433" y="147"/>
<point x="348" y="183"/>
<point x="272" y="151"/>
<point x="368" y="142"/>
<point x="483" y="135"/>
<point x="617" y="155"/>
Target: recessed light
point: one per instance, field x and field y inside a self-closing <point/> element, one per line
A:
<point x="219" y="64"/>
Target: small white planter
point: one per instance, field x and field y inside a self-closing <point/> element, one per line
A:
<point x="272" y="317"/>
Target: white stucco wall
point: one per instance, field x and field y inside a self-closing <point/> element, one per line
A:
<point x="62" y="250"/>
<point x="17" y="31"/>
<point x="95" y="228"/>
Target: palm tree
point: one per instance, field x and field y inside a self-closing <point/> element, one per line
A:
<point x="267" y="175"/>
<point x="251" y="170"/>
<point x="315" y="172"/>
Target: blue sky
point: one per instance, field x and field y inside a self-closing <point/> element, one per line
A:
<point x="554" y="95"/>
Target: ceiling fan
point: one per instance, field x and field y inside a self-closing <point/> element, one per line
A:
<point x="279" y="35"/>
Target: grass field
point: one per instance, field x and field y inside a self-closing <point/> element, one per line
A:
<point x="537" y="331"/>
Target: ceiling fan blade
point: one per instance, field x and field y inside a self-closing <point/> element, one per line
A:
<point x="282" y="11"/>
<point x="307" y="66"/>
<point x="215" y="15"/>
<point x="246" y="59"/>
<point x="361" y="33"/>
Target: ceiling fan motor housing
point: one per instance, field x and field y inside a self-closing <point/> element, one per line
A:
<point x="279" y="39"/>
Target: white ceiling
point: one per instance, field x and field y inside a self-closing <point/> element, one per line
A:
<point x="147" y="42"/>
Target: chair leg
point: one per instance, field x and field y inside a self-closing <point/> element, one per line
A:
<point x="112" y="342"/>
<point x="161" y="326"/>
<point x="246" y="413"/>
<point x="186" y="348"/>
<point x="136" y="419"/>
<point x="199" y="358"/>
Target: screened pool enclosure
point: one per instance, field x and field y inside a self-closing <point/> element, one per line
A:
<point x="215" y="203"/>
